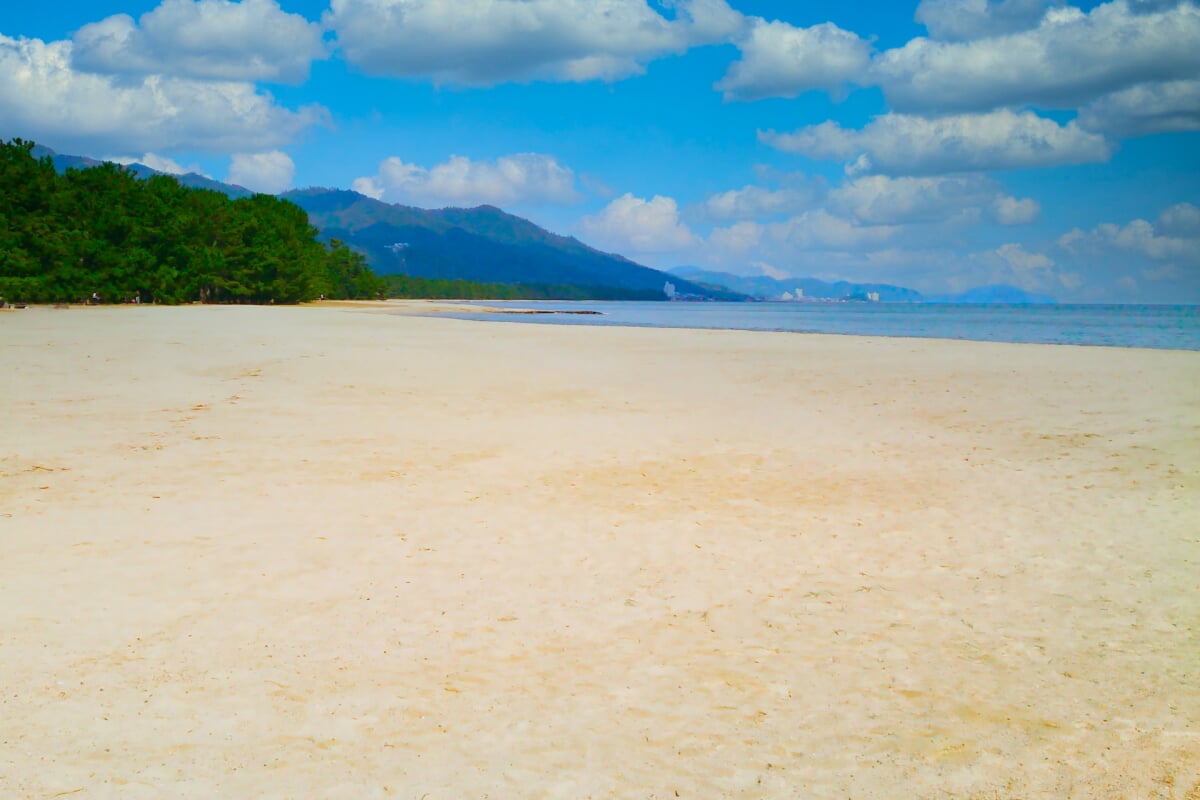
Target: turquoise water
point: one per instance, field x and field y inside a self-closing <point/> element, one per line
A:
<point x="1159" y="327"/>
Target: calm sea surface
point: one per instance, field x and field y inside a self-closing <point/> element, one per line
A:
<point x="1161" y="327"/>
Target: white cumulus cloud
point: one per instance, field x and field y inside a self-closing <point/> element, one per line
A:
<point x="43" y="98"/>
<point x="1173" y="106"/>
<point x="968" y="199"/>
<point x="756" y="202"/>
<point x="1174" y="235"/>
<point x="270" y="173"/>
<point x="207" y="39"/>
<point x="1069" y="59"/>
<point x="1021" y="260"/>
<point x="635" y="226"/>
<point x="814" y="243"/>
<point x="1151" y="261"/>
<point x="958" y="20"/>
<point x="1181" y="219"/>
<point x="484" y="42"/>
<point x="1011" y="264"/>
<point x="900" y="144"/>
<point x="738" y="238"/>
<point x="155" y="162"/>
<point x="819" y="229"/>
<point x="519" y="179"/>
<point x="780" y="60"/>
<point x="1030" y="270"/>
<point x="1016" y="211"/>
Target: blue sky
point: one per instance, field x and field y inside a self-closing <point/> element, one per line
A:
<point x="939" y="144"/>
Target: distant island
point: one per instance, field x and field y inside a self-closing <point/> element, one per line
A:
<point x="763" y="287"/>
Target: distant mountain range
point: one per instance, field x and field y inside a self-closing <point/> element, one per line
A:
<point x="489" y="245"/>
<point x="196" y="181"/>
<point x="479" y="244"/>
<point x="763" y="287"/>
<point x="767" y="288"/>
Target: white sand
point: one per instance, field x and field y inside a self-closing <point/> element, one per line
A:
<point x="321" y="553"/>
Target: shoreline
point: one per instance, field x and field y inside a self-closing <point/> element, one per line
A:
<point x="353" y="554"/>
<point x="471" y="310"/>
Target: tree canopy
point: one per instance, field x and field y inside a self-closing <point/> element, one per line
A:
<point x="104" y="232"/>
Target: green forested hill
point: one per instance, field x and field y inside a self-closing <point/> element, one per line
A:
<point x="101" y="230"/>
<point x="72" y="225"/>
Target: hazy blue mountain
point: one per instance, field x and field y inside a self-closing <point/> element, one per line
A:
<point x="999" y="293"/>
<point x="479" y="244"/>
<point x="196" y="181"/>
<point x="764" y="287"/>
<point x="62" y="162"/>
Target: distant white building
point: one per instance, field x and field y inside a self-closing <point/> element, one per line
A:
<point x="669" y="290"/>
<point x="872" y="297"/>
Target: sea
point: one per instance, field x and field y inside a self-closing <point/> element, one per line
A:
<point x="1163" y="327"/>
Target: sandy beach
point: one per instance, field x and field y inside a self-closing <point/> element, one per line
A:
<point x="350" y="552"/>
